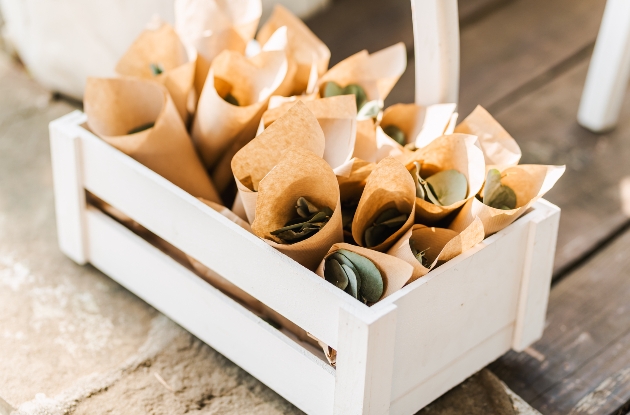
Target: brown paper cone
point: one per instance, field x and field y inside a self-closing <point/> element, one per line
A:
<point x="352" y="182"/>
<point x="297" y="127"/>
<point x="376" y="73"/>
<point x="499" y="148"/>
<point x="337" y="118"/>
<point x="395" y="272"/>
<point x="116" y="106"/>
<point x="441" y="244"/>
<point x="209" y="47"/>
<point x="388" y="186"/>
<point x="304" y="48"/>
<point x="300" y="173"/>
<point x="373" y="145"/>
<point x="456" y="151"/>
<point x="161" y="46"/>
<point x="195" y="19"/>
<point x="530" y="182"/>
<point x="219" y="124"/>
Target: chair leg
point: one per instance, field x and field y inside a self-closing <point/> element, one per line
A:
<point x="609" y="70"/>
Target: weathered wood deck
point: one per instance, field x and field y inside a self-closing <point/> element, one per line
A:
<point x="526" y="62"/>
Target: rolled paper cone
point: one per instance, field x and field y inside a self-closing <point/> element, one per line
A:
<point x="208" y="47"/>
<point x="161" y="46"/>
<point x="388" y="186"/>
<point x="499" y="148"/>
<point x="219" y="124"/>
<point x="300" y="173"/>
<point x="395" y="272"/>
<point x="352" y="182"/>
<point x="228" y="214"/>
<point x="279" y="42"/>
<point x="458" y="152"/>
<point x="116" y="106"/>
<point x="297" y="127"/>
<point x="376" y="73"/>
<point x="436" y="120"/>
<point x="337" y="116"/>
<point x="304" y="48"/>
<point x="365" y="145"/>
<point x="406" y="117"/>
<point x="530" y="182"/>
<point x="195" y="19"/>
<point x="441" y="245"/>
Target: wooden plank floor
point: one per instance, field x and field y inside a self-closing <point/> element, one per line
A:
<point x="526" y="61"/>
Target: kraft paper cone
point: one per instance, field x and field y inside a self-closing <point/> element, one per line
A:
<point x="116" y="106"/>
<point x="376" y="73"/>
<point x="353" y="181"/>
<point x="441" y="245"/>
<point x="373" y="145"/>
<point x="499" y="148"/>
<point x="388" y="186"/>
<point x="304" y="48"/>
<point x="420" y="124"/>
<point x="300" y="173"/>
<point x="530" y="182"/>
<point x="219" y="124"/>
<point x="395" y="272"/>
<point x="337" y="118"/>
<point x="297" y="127"/>
<point x="456" y="151"/>
<point x="161" y="46"/>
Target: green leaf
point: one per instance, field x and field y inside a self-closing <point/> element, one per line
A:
<point x="448" y="187"/>
<point x="396" y="134"/>
<point x="420" y="255"/>
<point x="333" y="89"/>
<point x="497" y="195"/>
<point x="372" y="286"/>
<point x="156" y="69"/>
<point x="370" y="110"/>
<point x="415" y="173"/>
<point x="141" y="128"/>
<point x="308" y="221"/>
<point x="385" y="225"/>
<point x="335" y="274"/>
<point x="231" y="99"/>
<point x="353" y="281"/>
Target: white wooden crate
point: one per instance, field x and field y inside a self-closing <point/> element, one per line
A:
<point x="393" y="358"/>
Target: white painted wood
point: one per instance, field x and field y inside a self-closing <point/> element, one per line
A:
<point x="609" y="70"/>
<point x="68" y="185"/>
<point x="436" y="51"/>
<point x="452" y="375"/>
<point x="199" y="231"/>
<point x="461" y="304"/>
<point x="536" y="279"/>
<point x="364" y="363"/>
<point x="242" y="337"/>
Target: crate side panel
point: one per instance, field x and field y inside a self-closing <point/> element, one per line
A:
<point x="457" y="308"/>
<point x="242" y="337"/>
<point x="235" y="254"/>
<point x="455" y="373"/>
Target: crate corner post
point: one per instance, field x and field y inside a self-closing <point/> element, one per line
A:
<point x="540" y="249"/>
<point x="70" y="204"/>
<point x="365" y="360"/>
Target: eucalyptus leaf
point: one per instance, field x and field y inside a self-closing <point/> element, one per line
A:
<point x="355" y="274"/>
<point x="448" y="187"/>
<point x="420" y="255"/>
<point x="333" y="89"/>
<point x="231" y="99"/>
<point x="385" y="225"/>
<point x="371" y="109"/>
<point x="309" y="221"/>
<point x="396" y="134"/>
<point x="419" y="182"/>
<point x="156" y="69"/>
<point x="141" y="128"/>
<point x="497" y="195"/>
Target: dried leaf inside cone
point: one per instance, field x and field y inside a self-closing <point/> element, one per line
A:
<point x="385" y="225"/>
<point x="355" y="274"/>
<point x="332" y="89"/>
<point x="309" y="220"/>
<point x="497" y="195"/>
<point x="444" y="188"/>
